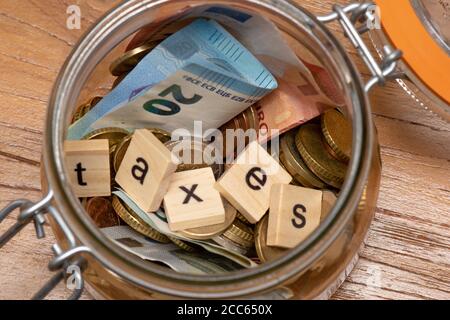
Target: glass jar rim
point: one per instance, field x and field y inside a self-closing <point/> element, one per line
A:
<point x="88" y="52"/>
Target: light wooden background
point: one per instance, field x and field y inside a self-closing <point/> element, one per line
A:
<point x="409" y="241"/>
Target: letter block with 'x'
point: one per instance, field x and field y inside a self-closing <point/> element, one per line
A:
<point x="191" y="200"/>
<point x="145" y="170"/>
<point x="246" y="185"/>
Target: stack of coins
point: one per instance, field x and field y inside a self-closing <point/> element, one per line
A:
<point x="316" y="155"/>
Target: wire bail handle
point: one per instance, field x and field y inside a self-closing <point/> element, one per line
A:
<point x="64" y="262"/>
<point x="363" y="13"/>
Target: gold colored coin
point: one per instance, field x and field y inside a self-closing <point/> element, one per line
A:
<point x="264" y="252"/>
<point x="122" y="147"/>
<point x="114" y="135"/>
<point x="252" y="118"/>
<point x="135" y="222"/>
<point x="240" y="233"/>
<point x="231" y="245"/>
<point x="130" y="59"/>
<point x="242" y="218"/>
<point x="337" y="131"/>
<point x="208" y="232"/>
<point x="85" y="108"/>
<point x="326" y="167"/>
<point x="183" y="244"/>
<point x="102" y="212"/>
<point x="198" y="158"/>
<point x="294" y="164"/>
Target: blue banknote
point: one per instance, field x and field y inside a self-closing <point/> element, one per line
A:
<point x="200" y="72"/>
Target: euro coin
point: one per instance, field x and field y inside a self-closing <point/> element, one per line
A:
<point x="242" y="218"/>
<point x="135" y="222"/>
<point x="199" y="156"/>
<point x="326" y="167"/>
<point x="208" y="232"/>
<point x="102" y="212"/>
<point x="291" y="160"/>
<point x="182" y="244"/>
<point x="126" y="62"/>
<point x="240" y="233"/>
<point x="337" y="131"/>
<point x="113" y="135"/>
<point x="85" y="108"/>
<point x="264" y="252"/>
<point x="231" y="245"/>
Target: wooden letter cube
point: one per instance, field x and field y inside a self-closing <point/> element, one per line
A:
<point x="145" y="171"/>
<point x="191" y="200"/>
<point x="294" y="213"/>
<point x="247" y="183"/>
<point x="88" y="165"/>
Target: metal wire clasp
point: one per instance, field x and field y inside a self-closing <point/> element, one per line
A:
<point x="362" y="13"/>
<point x="68" y="264"/>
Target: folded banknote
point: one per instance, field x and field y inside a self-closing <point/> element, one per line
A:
<point x="200" y="72"/>
<point x="168" y="254"/>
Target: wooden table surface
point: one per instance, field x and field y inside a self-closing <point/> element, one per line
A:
<point x="408" y="245"/>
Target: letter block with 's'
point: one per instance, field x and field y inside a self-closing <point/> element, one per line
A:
<point x="145" y="170"/>
<point x="88" y="164"/>
<point x="294" y="213"/>
<point x="247" y="183"/>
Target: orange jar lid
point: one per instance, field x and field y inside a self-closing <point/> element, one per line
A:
<point x="423" y="55"/>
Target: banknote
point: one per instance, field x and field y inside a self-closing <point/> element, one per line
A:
<point x="157" y="221"/>
<point x="184" y="79"/>
<point x="305" y="88"/>
<point x="286" y="108"/>
<point x="168" y="254"/>
<point x="280" y="53"/>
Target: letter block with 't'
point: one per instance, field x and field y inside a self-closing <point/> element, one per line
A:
<point x="88" y="164"/>
<point x="191" y="200"/>
<point x="247" y="183"/>
<point x="145" y="170"/>
<point x="294" y="213"/>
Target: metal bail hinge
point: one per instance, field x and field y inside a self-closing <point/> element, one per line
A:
<point x="68" y="264"/>
<point x="365" y="15"/>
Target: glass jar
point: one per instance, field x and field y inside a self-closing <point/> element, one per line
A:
<point x="314" y="269"/>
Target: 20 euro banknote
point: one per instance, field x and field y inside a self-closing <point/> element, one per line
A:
<point x="199" y="73"/>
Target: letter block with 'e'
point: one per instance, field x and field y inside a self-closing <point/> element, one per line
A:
<point x="294" y="213"/>
<point x="145" y="170"/>
<point x="247" y="183"/>
<point x="88" y="164"/>
<point x="191" y="200"/>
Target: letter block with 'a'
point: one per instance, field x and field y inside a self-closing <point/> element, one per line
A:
<point x="191" y="200"/>
<point x="88" y="164"/>
<point x="145" y="170"/>
<point x="294" y="213"/>
<point x="247" y="183"/>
